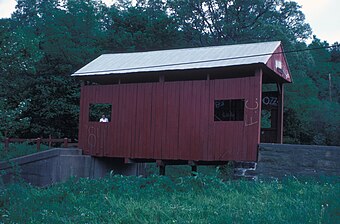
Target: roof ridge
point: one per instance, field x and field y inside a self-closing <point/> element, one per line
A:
<point x="192" y="48"/>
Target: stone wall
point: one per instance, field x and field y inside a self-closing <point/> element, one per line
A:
<point x="279" y="160"/>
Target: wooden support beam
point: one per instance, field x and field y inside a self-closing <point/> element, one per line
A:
<point x="128" y="161"/>
<point x="160" y="162"/>
<point x="161" y="165"/>
<point x="192" y="163"/>
<point x="193" y="170"/>
<point x="162" y="170"/>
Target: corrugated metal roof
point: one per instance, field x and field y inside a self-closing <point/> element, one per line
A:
<point x="180" y="59"/>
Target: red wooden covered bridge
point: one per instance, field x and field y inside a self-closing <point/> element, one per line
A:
<point x="184" y="106"/>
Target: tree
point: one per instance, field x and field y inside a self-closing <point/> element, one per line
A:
<point x="145" y="26"/>
<point x="232" y="21"/>
<point x="11" y="119"/>
<point x="47" y="40"/>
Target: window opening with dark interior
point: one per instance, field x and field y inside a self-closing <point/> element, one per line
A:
<point x="229" y="110"/>
<point x="266" y="118"/>
<point x="100" y="112"/>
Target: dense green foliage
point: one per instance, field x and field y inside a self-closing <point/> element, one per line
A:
<point x="16" y="150"/>
<point x="202" y="199"/>
<point x="46" y="41"/>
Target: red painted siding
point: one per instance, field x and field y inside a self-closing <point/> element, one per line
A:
<point x="279" y="57"/>
<point x="173" y="120"/>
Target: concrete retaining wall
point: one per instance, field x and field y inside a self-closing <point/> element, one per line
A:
<point x="275" y="161"/>
<point x="58" y="165"/>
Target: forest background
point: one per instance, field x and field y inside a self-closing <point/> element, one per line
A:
<point x="47" y="40"/>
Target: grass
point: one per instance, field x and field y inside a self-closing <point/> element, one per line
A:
<point x="157" y="199"/>
<point x="19" y="149"/>
<point x="176" y="198"/>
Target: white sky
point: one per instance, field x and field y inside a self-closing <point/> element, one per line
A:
<point x="322" y="15"/>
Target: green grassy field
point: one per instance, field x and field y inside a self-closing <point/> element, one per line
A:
<point x="157" y="199"/>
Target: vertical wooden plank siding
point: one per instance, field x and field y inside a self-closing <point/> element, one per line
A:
<point x="171" y="134"/>
<point x="211" y="131"/>
<point x="185" y="119"/>
<point x="144" y="146"/>
<point x="158" y="115"/>
<point x="173" y="120"/>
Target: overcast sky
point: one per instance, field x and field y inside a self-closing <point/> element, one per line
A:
<point x="322" y="15"/>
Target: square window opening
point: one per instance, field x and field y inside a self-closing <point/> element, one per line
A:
<point x="229" y="110"/>
<point x="100" y="112"/>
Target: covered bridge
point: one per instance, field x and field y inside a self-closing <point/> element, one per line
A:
<point x="195" y="105"/>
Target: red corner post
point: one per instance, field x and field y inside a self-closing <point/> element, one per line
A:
<point x="49" y="141"/>
<point x="38" y="144"/>
<point x="65" y="142"/>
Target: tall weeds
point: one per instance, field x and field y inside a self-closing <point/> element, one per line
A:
<point x="157" y="199"/>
